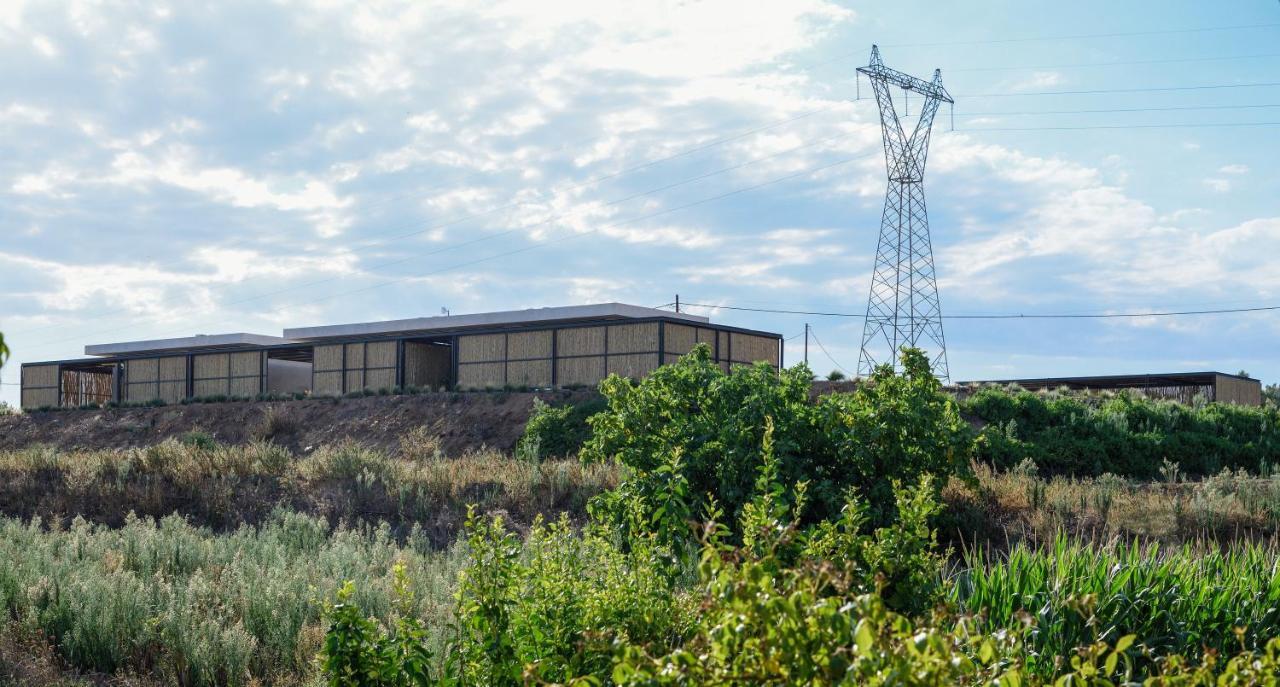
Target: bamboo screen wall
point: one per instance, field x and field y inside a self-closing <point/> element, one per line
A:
<point x="1246" y="392"/>
<point x="148" y="379"/>
<point x="586" y="355"/>
<point x="81" y="387"/>
<point x="39" y="386"/>
<point x="237" y="374"/>
<point x="341" y="368"/>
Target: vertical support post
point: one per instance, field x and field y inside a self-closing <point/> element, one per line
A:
<point x="677" y="302"/>
<point x="343" y="387"/>
<point x="662" y="340"/>
<point x="806" y="343"/>
<point x="555" y="358"/>
<point x="59" y="380"/>
<point x="453" y="361"/>
<point x="400" y="364"/>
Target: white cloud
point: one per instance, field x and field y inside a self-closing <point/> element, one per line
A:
<point x="44" y="46"/>
<point x="1234" y="169"/>
<point x="1218" y="184"/>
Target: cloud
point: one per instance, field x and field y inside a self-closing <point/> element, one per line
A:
<point x="1234" y="169"/>
<point x="1217" y="184"/>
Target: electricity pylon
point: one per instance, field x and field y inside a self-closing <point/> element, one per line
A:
<point x="903" y="308"/>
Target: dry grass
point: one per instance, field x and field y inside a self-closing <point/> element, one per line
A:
<point x="224" y="487"/>
<point x="1020" y="505"/>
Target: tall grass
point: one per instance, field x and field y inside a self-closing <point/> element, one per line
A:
<point x="224" y="487"/>
<point x="1019" y="504"/>
<point x="205" y="609"/>
<point x="1175" y="600"/>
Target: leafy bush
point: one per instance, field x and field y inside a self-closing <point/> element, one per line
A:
<point x="552" y="609"/>
<point x="557" y="431"/>
<point x="1126" y="434"/>
<point x="708" y="425"/>
<point x="358" y="652"/>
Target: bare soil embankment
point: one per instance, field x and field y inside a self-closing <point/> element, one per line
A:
<point x="462" y="421"/>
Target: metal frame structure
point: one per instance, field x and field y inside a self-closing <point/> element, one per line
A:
<point x="304" y="350"/>
<point x="903" y="307"/>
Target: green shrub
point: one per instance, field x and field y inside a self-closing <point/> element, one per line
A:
<point x="557" y="431"/>
<point x="198" y="439"/>
<point x="895" y="427"/>
<point x="1125" y="434"/>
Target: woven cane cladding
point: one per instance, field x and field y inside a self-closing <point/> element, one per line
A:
<point x="580" y="341"/>
<point x="326" y="383"/>
<point x="529" y="372"/>
<point x="580" y="371"/>
<point x="229" y="374"/>
<point x="750" y="349"/>
<point x="1238" y="391"/>
<point x="679" y="339"/>
<point x="39" y="386"/>
<point x="633" y="338"/>
<point x="633" y="365"/>
<point x="326" y="358"/>
<point x="482" y="348"/>
<point x="39" y="398"/>
<point x="342" y="368"/>
<point x="529" y="345"/>
<point x="149" y="379"/>
<point x="482" y="375"/>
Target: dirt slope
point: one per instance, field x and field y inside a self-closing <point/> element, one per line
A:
<point x="463" y="421"/>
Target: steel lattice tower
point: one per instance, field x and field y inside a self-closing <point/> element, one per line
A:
<point x="903" y="307"/>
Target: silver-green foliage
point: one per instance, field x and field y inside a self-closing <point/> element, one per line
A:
<point x="206" y="609"/>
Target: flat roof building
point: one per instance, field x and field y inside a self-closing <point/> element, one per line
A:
<point x="1178" y="386"/>
<point x="537" y="348"/>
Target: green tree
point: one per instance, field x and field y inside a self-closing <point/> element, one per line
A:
<point x="709" y="425"/>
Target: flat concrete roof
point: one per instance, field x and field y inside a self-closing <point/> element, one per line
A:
<point x="600" y="311"/>
<point x="234" y="340"/>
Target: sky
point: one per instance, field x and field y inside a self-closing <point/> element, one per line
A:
<point x="171" y="169"/>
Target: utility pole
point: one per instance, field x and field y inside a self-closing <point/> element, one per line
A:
<point x="806" y="343"/>
<point x="903" y="307"/>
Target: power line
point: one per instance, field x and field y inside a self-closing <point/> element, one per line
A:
<point x="1008" y="316"/>
<point x="824" y="351"/>
<point x="1120" y="109"/>
<point x="1121" y="126"/>
<point x="703" y="201"/>
<point x="1099" y="91"/>
<point x="1115" y="63"/>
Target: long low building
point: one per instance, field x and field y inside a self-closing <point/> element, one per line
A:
<point x="537" y="348"/>
<point x="1178" y="386"/>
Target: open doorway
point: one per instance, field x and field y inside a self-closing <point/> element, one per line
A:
<point x="428" y="363"/>
<point x="89" y="383"/>
<point x="289" y="370"/>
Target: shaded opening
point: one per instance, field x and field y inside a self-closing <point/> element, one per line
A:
<point x="289" y="370"/>
<point x="428" y="363"/>
<point x="90" y="383"/>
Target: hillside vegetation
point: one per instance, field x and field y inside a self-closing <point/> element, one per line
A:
<point x="724" y="530"/>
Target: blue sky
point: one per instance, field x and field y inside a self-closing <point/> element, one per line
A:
<point x="171" y="169"/>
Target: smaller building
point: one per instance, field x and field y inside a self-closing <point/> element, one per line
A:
<point x="1177" y="386"/>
